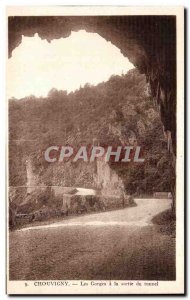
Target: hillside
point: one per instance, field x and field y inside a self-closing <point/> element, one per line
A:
<point x="117" y="112"/>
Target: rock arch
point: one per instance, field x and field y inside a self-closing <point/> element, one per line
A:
<point x="149" y="42"/>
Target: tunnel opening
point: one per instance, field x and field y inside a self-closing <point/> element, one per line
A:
<point x="135" y="41"/>
<point x="64" y="64"/>
<point x="149" y="42"/>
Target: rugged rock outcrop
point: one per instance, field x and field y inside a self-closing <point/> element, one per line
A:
<point x="108" y="181"/>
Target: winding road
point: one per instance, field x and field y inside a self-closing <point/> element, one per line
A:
<point x="121" y="244"/>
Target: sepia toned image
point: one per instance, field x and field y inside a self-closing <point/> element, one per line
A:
<point x="95" y="150"/>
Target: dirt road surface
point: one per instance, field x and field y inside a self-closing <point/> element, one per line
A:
<point x="121" y="244"/>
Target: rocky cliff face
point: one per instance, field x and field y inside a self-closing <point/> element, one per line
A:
<point x="31" y="177"/>
<point x="98" y="175"/>
<point x="108" y="181"/>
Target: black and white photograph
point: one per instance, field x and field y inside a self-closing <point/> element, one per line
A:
<point x="95" y="201"/>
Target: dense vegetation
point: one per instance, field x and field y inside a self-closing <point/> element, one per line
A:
<point x="112" y="113"/>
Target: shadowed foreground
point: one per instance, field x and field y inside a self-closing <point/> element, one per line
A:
<point x="121" y="244"/>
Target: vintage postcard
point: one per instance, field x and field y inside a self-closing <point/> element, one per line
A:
<point x="95" y="150"/>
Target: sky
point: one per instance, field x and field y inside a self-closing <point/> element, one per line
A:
<point x="37" y="66"/>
